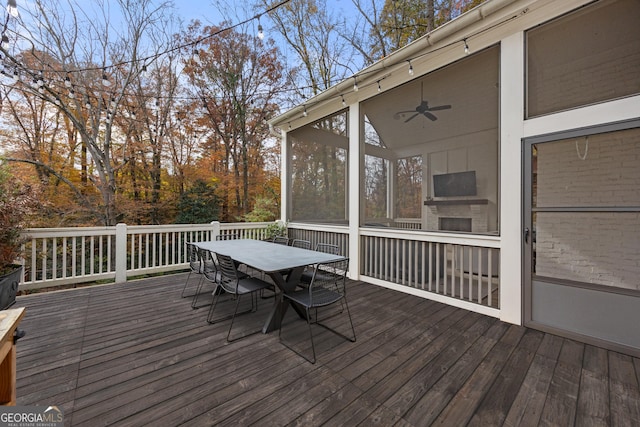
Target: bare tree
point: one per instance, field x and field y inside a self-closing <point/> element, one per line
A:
<point x="311" y="31"/>
<point x="84" y="64"/>
<point x="384" y="26"/>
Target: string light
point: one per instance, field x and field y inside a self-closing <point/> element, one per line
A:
<point x="379" y="88"/>
<point x="196" y="56"/>
<point x="304" y="113"/>
<point x="67" y="81"/>
<point x="13" y="11"/>
<point x="105" y="79"/>
<point x="260" y="30"/>
<point x="39" y="82"/>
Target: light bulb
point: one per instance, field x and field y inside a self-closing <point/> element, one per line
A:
<point x="410" y="69"/>
<point x="466" y="47"/>
<point x="344" y="103"/>
<point x="5" y="41"/>
<point x="260" y="32"/>
<point x="12" y="8"/>
<point x="196" y="56"/>
<point x="67" y="82"/>
<point x="105" y="79"/>
<point x="72" y="94"/>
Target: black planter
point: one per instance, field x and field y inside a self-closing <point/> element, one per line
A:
<point x="9" y="287"/>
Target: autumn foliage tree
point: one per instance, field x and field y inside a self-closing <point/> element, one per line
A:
<point x="117" y="115"/>
<point x="236" y="78"/>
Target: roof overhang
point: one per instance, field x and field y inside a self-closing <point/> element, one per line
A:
<point x="480" y="27"/>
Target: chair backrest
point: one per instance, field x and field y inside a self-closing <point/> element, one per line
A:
<point x="328" y="280"/>
<point x="328" y="248"/>
<point x="300" y="243"/>
<point x="230" y="236"/>
<point x="193" y="256"/>
<point x="281" y="240"/>
<point x="210" y="267"/>
<point x="228" y="273"/>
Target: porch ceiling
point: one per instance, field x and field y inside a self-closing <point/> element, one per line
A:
<point x="471" y="88"/>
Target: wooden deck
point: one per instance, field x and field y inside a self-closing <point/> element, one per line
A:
<point x="137" y="354"/>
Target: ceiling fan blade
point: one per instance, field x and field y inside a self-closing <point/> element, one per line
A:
<point x="440" y="107"/>
<point x="412" y="117"/>
<point x="430" y="116"/>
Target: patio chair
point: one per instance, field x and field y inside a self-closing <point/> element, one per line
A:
<point x="327" y="248"/>
<point x="328" y="286"/>
<point x="280" y="240"/>
<point x="195" y="266"/>
<point x="234" y="283"/>
<point x="210" y="273"/>
<point x="300" y="243"/>
<point x="230" y="236"/>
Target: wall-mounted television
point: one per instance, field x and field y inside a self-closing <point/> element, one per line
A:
<point x="455" y="184"/>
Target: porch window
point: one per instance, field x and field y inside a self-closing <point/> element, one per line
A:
<point x="583" y="58"/>
<point x="318" y="165"/>
<point x="431" y="150"/>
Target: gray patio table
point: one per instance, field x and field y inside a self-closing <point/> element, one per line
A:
<point x="284" y="264"/>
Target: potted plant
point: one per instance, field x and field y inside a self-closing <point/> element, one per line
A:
<point x="16" y="202"/>
<point x="277" y="228"/>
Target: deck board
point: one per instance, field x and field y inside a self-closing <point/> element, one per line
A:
<point x="137" y="354"/>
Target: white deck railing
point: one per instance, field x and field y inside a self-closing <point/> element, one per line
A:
<point x="460" y="269"/>
<point x="63" y="256"/>
<point x="463" y="267"/>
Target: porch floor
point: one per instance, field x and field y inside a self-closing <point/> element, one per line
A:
<point x="137" y="354"/>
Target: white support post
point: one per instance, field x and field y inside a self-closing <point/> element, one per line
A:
<point x="215" y="229"/>
<point x="511" y="121"/>
<point x="284" y="176"/>
<point x="121" y="253"/>
<point x="356" y="162"/>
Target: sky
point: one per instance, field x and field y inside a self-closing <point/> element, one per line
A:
<point x="207" y="12"/>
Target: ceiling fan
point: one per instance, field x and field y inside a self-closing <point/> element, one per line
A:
<point x="422" y="108"/>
